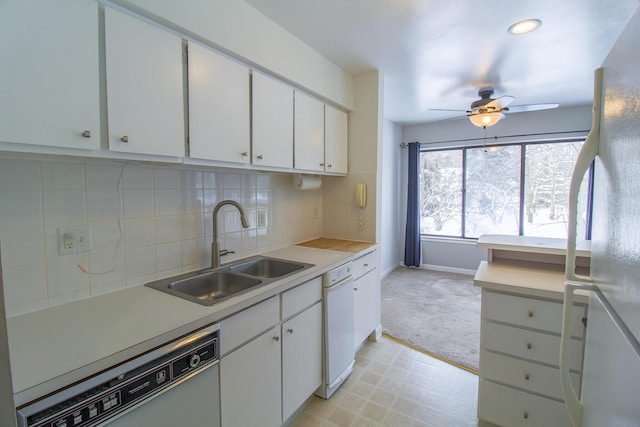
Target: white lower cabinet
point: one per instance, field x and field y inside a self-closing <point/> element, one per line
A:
<point x="366" y="301"/>
<point x="519" y="357"/>
<point x="301" y="358"/>
<point x="250" y="379"/>
<point x="266" y="376"/>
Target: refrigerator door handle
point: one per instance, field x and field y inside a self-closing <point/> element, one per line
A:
<point x="587" y="154"/>
<point x="571" y="400"/>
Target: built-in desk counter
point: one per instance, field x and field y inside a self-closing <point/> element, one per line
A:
<point x="522" y="302"/>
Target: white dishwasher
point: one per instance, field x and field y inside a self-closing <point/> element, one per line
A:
<point x="176" y="384"/>
<point x="339" y="353"/>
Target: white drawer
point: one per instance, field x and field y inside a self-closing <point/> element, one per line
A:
<point x="505" y="406"/>
<point x="522" y="374"/>
<point x="301" y="297"/>
<point x="531" y="313"/>
<point x="241" y="327"/>
<point x="364" y="264"/>
<point x="536" y="346"/>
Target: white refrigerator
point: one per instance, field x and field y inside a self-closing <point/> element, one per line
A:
<point x="610" y="391"/>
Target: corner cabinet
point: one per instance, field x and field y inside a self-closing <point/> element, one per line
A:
<point x="336" y="136"/>
<point x="49" y="77"/>
<point x="272" y="122"/>
<point x="144" y="87"/>
<point x="270" y="367"/>
<point x="219" y="107"/>
<point x="366" y="301"/>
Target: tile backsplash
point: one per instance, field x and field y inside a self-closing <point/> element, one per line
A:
<point x="147" y="222"/>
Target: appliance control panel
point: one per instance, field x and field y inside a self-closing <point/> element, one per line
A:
<point x="123" y="390"/>
<point x="336" y="275"/>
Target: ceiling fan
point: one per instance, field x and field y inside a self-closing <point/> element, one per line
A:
<point x="488" y="111"/>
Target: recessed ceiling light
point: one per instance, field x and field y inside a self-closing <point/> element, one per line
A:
<point x="525" y="26"/>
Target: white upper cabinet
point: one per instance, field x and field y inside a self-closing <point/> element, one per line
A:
<point x="308" y="133"/>
<point x="219" y="107"/>
<point x="272" y="119"/>
<point x="49" y="74"/>
<point x="144" y="87"/>
<point x="336" y="134"/>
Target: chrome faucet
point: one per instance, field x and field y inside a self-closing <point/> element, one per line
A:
<point x="216" y="252"/>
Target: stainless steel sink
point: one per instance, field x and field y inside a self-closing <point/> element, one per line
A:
<point x="206" y="288"/>
<point x="265" y="267"/>
<point x="213" y="286"/>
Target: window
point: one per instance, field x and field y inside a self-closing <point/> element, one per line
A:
<point x="518" y="189"/>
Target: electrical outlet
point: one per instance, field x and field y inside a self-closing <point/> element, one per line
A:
<point x="73" y="240"/>
<point x="262" y="218"/>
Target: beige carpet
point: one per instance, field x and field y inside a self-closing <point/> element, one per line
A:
<point x="434" y="311"/>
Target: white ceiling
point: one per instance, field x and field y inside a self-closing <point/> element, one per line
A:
<point x="436" y="54"/>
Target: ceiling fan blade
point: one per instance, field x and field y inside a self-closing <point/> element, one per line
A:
<point x="501" y="102"/>
<point x="531" y="107"/>
<point x="444" y="109"/>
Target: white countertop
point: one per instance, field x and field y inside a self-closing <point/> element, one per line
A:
<point x="52" y="347"/>
<point x="541" y="245"/>
<point x="533" y="279"/>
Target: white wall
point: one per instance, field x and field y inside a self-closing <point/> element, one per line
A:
<point x="243" y="32"/>
<point x="166" y="224"/>
<point x="464" y="256"/>
<point x="392" y="235"/>
<point x="342" y="218"/>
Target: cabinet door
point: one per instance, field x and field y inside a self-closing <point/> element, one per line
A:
<point x="49" y="74"/>
<point x="250" y="383"/>
<point x="219" y="100"/>
<point x="301" y="358"/>
<point x="308" y="135"/>
<point x="336" y="136"/>
<point x="366" y="306"/>
<point x="144" y="87"/>
<point x="272" y="122"/>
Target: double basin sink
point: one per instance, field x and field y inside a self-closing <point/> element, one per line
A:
<point x="209" y="287"/>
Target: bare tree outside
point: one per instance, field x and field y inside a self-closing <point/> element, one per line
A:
<point x="492" y="180"/>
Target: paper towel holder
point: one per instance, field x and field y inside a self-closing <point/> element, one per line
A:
<point x="306" y="182"/>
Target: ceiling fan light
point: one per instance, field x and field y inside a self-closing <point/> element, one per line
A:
<point x="525" y="26"/>
<point x="485" y="119"/>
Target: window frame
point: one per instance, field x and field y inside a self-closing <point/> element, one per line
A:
<point x="590" y="173"/>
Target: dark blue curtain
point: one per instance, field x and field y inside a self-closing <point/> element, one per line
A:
<point x="412" y="256"/>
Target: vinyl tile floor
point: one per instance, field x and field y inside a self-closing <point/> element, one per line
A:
<point x="394" y="385"/>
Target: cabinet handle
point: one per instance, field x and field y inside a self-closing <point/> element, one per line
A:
<point x="530" y="313"/>
<point x="355" y="289"/>
<point x="245" y="154"/>
<point x="529" y="346"/>
<point x="366" y="265"/>
<point x="321" y="164"/>
<point x="526" y="377"/>
<point x="525" y="415"/>
<point x="290" y="330"/>
<point x="329" y="165"/>
<point x="259" y="156"/>
<point x="86" y="134"/>
<point x="276" y="338"/>
<point x="124" y="139"/>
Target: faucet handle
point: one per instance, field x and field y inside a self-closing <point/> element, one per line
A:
<point x="224" y="252"/>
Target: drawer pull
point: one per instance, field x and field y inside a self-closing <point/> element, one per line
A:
<point x="290" y="330"/>
<point x="529" y="346"/>
<point x="525" y="415"/>
<point x="530" y="313"/>
<point x="276" y="338"/>
<point x="526" y="377"/>
<point x="366" y="265"/>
